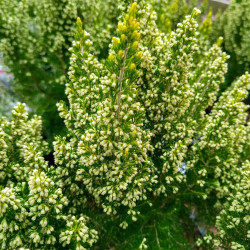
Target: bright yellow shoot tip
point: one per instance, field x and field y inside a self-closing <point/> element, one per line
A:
<point x="126" y="152"/>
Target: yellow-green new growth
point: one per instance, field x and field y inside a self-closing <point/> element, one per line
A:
<point x="109" y="148"/>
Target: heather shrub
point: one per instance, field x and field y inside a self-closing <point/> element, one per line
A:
<point x="148" y="141"/>
<point x="234" y="25"/>
<point x="34" y="41"/>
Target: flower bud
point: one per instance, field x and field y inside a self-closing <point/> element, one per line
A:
<point x="111" y="58"/>
<point x="132" y="66"/>
<point x="126" y="152"/>
<point x="120" y="54"/>
<point x="136" y="35"/>
<point x="132" y="9"/>
<point x="135" y="45"/>
<point x="115" y="41"/>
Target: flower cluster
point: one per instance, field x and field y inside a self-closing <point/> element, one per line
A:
<point x="136" y="119"/>
<point x="20" y="140"/>
<point x="171" y="12"/>
<point x="168" y="95"/>
<point x="34" y="41"/>
<point x="32" y="206"/>
<point x="216" y="154"/>
<point x="45" y="202"/>
<point x="13" y="219"/>
<point x="233" y="221"/>
<point x="234" y="25"/>
<point x="176" y="91"/>
<point x="77" y="231"/>
<point x="109" y="150"/>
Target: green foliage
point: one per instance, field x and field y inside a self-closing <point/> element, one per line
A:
<point x="172" y="12"/>
<point x="234" y="26"/>
<point x="7" y="96"/>
<point x="233" y="221"/>
<point x="152" y="81"/>
<point x="224" y="131"/>
<point x="106" y="122"/>
<point x="21" y="142"/>
<point x="147" y="138"/>
<point x="6" y="99"/>
<point x="159" y="227"/>
<point x="35" y="36"/>
<point x="32" y="205"/>
<point x="34" y="40"/>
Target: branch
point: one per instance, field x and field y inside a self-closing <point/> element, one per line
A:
<point x="120" y="79"/>
<point x="157" y="238"/>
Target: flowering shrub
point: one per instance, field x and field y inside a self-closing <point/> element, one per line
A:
<point x="35" y="36"/>
<point x="147" y="138"/>
<point x="233" y="221"/>
<point x="34" y="40"/>
<point x="171" y="12"/>
<point x="32" y="205"/>
<point x="234" y="26"/>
